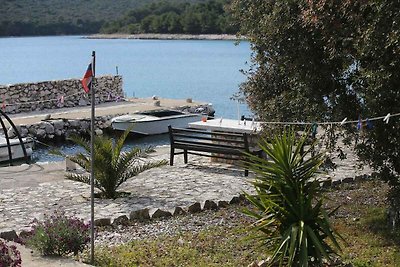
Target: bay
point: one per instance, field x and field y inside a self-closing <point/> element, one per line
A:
<point x="204" y="70"/>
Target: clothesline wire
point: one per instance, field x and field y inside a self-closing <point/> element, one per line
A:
<point x="327" y="122"/>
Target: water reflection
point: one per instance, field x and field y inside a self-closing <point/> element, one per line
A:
<point x="41" y="151"/>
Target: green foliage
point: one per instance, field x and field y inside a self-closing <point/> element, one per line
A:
<point x="112" y="166"/>
<point x="324" y="61"/>
<point x="212" y="247"/>
<point x="288" y="203"/>
<point x="58" y="235"/>
<point x="172" y="17"/>
<point x="55" y="17"/>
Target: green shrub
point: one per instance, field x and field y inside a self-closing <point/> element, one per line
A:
<point x="9" y="255"/>
<point x="112" y="166"/>
<point x="288" y="204"/>
<point x="58" y="235"/>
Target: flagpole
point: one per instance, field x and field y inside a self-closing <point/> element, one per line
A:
<point x="92" y="91"/>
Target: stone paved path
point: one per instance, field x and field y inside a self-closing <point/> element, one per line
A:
<point x="29" y="191"/>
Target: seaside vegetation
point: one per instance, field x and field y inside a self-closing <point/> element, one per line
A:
<point x="319" y="60"/>
<point x="59" y="17"/>
<point x="288" y="206"/>
<point x="360" y="220"/>
<point x="112" y="165"/>
<point x="210" y="17"/>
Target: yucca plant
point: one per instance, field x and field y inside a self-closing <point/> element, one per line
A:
<point x="288" y="204"/>
<point x="112" y="166"/>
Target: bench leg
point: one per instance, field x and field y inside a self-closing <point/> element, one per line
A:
<point x="185" y="156"/>
<point x="171" y="157"/>
<point x="246" y="172"/>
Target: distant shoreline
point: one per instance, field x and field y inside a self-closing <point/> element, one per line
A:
<point x="158" y="36"/>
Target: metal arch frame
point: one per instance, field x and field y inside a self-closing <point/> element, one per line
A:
<point x="10" y="159"/>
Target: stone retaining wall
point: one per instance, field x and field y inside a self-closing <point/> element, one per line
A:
<point x="25" y="97"/>
<point x="59" y="129"/>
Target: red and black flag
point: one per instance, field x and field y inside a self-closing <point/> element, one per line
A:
<point x="87" y="79"/>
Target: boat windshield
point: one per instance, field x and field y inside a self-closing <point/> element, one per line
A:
<point x="161" y="113"/>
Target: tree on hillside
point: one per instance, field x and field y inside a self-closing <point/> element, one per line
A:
<point x="324" y="61"/>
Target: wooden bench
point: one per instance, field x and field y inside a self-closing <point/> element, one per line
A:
<point x="209" y="144"/>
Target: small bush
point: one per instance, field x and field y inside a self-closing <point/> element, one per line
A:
<point x="59" y="235"/>
<point x="9" y="255"/>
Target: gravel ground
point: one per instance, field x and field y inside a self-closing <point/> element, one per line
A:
<point x="227" y="217"/>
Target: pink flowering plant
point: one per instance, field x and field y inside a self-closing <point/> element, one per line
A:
<point x="59" y="235"/>
<point x="9" y="255"/>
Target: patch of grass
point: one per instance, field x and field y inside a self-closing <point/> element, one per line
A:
<point x="215" y="246"/>
<point x="361" y="220"/>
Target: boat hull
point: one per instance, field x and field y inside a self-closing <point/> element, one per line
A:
<point x="16" y="149"/>
<point x="153" y="126"/>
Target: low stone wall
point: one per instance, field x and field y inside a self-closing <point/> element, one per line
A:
<point x="59" y="129"/>
<point x="27" y="97"/>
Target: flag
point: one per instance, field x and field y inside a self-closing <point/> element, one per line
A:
<point x="87" y="79"/>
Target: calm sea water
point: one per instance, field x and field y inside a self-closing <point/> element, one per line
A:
<point x="207" y="71"/>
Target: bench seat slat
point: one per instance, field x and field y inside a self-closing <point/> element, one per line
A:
<point x="210" y="149"/>
<point x="179" y="136"/>
<point x="208" y="144"/>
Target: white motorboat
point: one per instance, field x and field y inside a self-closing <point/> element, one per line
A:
<point x="17" y="152"/>
<point x="154" y="121"/>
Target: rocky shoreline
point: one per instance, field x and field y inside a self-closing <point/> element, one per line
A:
<point x="159" y="36"/>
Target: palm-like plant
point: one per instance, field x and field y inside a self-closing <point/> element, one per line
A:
<point x="288" y="204"/>
<point x="112" y="166"/>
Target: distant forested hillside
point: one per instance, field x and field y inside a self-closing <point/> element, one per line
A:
<point x="208" y="17"/>
<point x="54" y="17"/>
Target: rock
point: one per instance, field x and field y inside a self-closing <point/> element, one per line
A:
<point x="24" y="234"/>
<point x="348" y="180"/>
<point x="24" y="131"/>
<point x="58" y="124"/>
<point x="74" y="123"/>
<point x="40" y="133"/>
<point x="47" y="117"/>
<point x="49" y="128"/>
<point x="223" y="204"/>
<point x="140" y="215"/>
<point x="102" y="222"/>
<point x="327" y="183"/>
<point x="234" y="200"/>
<point x="194" y="208"/>
<point x="98" y="132"/>
<point x="161" y="214"/>
<point x="121" y="220"/>
<point x="82" y="102"/>
<point x="179" y="211"/>
<point x="210" y="205"/>
<point x="10" y="235"/>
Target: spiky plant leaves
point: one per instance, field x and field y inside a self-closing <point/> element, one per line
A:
<point x="112" y="166"/>
<point x="287" y="205"/>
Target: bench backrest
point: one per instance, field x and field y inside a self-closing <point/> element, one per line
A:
<point x="237" y="141"/>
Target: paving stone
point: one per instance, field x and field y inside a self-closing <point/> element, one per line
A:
<point x="194" y="208"/>
<point x="210" y="205"/>
<point x="161" y="214"/>
<point x="164" y="188"/>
